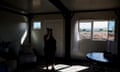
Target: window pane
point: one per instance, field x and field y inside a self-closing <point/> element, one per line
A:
<point x="100" y="30"/>
<point x="85" y="30"/>
<point x="111" y="30"/>
<point x="36" y="25"/>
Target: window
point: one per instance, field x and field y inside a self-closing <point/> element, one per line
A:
<point x="85" y="30"/>
<point x="97" y="29"/>
<point x="36" y="25"/>
<point x="100" y="29"/>
<point x="111" y="30"/>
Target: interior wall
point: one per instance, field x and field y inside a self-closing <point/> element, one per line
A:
<point x="56" y="23"/>
<point x="12" y="27"/>
<point x="87" y="45"/>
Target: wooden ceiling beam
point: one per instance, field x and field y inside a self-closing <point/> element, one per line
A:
<point x="58" y="4"/>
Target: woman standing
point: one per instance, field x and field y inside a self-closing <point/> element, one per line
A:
<point x="49" y="48"/>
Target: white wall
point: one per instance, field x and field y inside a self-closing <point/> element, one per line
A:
<point x="56" y="23"/>
<point x="12" y="27"/>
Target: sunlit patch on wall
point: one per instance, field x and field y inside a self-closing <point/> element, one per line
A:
<point x="24" y="37"/>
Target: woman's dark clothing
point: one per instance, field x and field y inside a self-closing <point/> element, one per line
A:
<point x="49" y="49"/>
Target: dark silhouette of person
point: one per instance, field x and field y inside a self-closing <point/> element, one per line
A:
<point x="49" y="48"/>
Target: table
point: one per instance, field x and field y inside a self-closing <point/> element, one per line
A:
<point x="97" y="56"/>
<point x="98" y="60"/>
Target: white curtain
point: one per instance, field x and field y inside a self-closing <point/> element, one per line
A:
<point x="75" y="38"/>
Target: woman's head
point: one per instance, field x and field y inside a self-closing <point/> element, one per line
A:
<point x="49" y="31"/>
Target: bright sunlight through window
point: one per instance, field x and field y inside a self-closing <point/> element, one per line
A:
<point x="74" y="68"/>
<point x="68" y="68"/>
<point x="97" y="30"/>
<point x="24" y="37"/>
<point x="36" y="25"/>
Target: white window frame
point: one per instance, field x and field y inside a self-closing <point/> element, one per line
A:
<point x="93" y="29"/>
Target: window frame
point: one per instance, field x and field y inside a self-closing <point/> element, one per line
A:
<point x="92" y="28"/>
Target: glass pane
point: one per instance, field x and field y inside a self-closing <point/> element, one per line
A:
<point x="85" y="30"/>
<point x="111" y="30"/>
<point x="100" y="30"/>
<point x="37" y="25"/>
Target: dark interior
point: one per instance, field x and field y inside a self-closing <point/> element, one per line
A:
<point x="22" y="44"/>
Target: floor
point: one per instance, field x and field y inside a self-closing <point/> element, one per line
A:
<point x="67" y="66"/>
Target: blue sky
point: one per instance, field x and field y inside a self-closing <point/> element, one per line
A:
<point x="37" y="25"/>
<point x="111" y="25"/>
